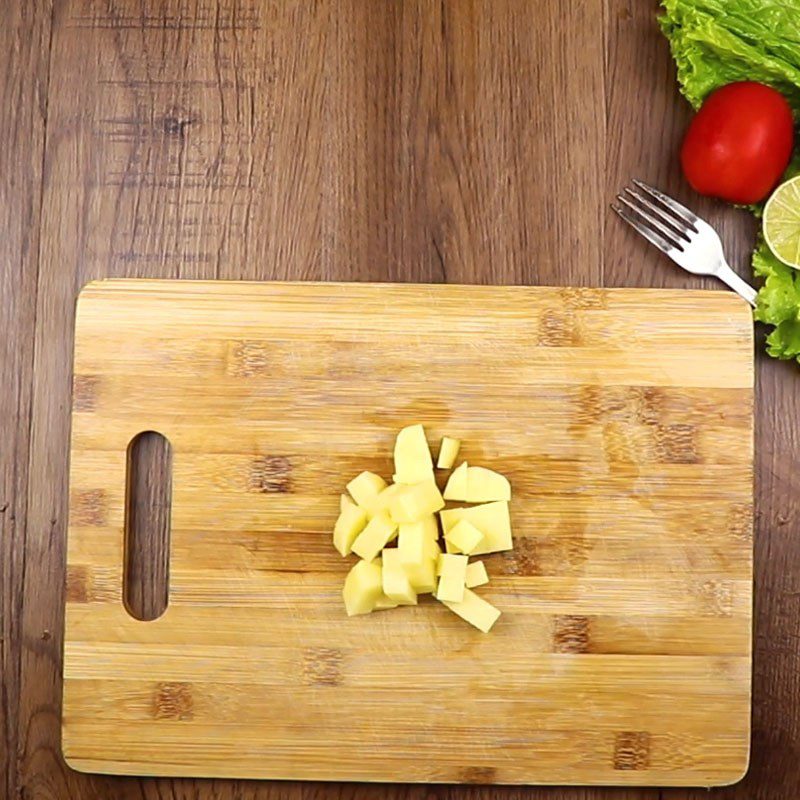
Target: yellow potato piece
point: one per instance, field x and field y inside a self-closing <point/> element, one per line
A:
<point x="453" y="570"/>
<point x="383" y="602"/>
<point x="491" y="519"/>
<point x="456" y="488"/>
<point x="364" y="488"/>
<point x="464" y="537"/>
<point x="379" y="531"/>
<point x="381" y="501"/>
<point x="396" y="585"/>
<point x="348" y="526"/>
<point x="418" y="554"/>
<point x="475" y="610"/>
<point x="412" y="457"/>
<point x="412" y="543"/>
<point x="345" y="502"/>
<point x="448" y="452"/>
<point x="415" y="502"/>
<point x="476" y="575"/>
<point x="486" y="485"/>
<point x="363" y="586"/>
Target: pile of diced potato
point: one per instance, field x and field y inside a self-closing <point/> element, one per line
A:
<point x="375" y="514"/>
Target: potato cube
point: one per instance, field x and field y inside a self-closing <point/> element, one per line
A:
<point x="430" y="524"/>
<point x="456" y="488"/>
<point x="363" y="586"/>
<point x="414" y="502"/>
<point x="464" y="537"/>
<point x="475" y="610"/>
<point x="383" y="602"/>
<point x="345" y="502"/>
<point x="396" y="585"/>
<point x="375" y="536"/>
<point x="348" y="526"/>
<point x="476" y="574"/>
<point x="453" y="569"/>
<point x="448" y="451"/>
<point x="365" y="488"/>
<point x="412" y="457"/>
<point x="486" y="485"/>
<point x="381" y="501"/>
<point x="418" y="554"/>
<point x="412" y="543"/>
<point x="491" y="519"/>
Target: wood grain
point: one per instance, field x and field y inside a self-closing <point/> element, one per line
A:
<point x="269" y="395"/>
<point x="250" y="139"/>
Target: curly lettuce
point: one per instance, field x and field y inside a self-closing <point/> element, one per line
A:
<point x="715" y="42"/>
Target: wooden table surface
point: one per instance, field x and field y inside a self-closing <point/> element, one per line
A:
<point x="475" y="141"/>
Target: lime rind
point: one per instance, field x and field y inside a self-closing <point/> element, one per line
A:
<point x="782" y="222"/>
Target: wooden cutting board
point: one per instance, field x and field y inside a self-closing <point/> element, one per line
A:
<point x="623" y="418"/>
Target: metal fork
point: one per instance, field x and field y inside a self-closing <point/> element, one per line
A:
<point x="688" y="240"/>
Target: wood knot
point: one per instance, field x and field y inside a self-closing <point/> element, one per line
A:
<point x="557" y="329"/>
<point x="740" y="521"/>
<point x="176" y="125"/>
<point x="247" y="359"/>
<point x="649" y="402"/>
<point x="715" y="597"/>
<point x="84" y="392"/>
<point x="270" y="474"/>
<point x="583" y="298"/>
<point x="477" y="775"/>
<point x="322" y="666"/>
<point x="173" y="701"/>
<point x="89" y="508"/>
<point x="631" y="750"/>
<point x="79" y="584"/>
<point x="571" y="634"/>
<point x="676" y="444"/>
<point x="523" y="559"/>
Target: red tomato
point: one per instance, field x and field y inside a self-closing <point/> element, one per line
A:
<point x="739" y="143"/>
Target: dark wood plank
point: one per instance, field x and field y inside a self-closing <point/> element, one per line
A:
<point x="476" y="142"/>
<point x="24" y="59"/>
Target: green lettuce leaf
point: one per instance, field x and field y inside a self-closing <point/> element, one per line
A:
<point x="715" y="42"/>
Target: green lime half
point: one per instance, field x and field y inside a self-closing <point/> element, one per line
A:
<point x="782" y="222"/>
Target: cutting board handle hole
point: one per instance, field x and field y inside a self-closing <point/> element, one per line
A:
<point x="148" y="514"/>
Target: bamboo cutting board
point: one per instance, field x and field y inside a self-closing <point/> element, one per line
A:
<point x="623" y="419"/>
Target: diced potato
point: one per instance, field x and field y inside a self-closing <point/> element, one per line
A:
<point x="418" y="554"/>
<point x="456" y="488"/>
<point x="477" y="485"/>
<point x="348" y="526"/>
<point x="396" y="585"/>
<point x="411" y="543"/>
<point x="423" y="577"/>
<point x="375" y="536"/>
<point x="383" y="602"/>
<point x="476" y="574"/>
<point x="381" y="501"/>
<point x="464" y="536"/>
<point x="345" y="502"/>
<point x="416" y="501"/>
<point x="448" y="451"/>
<point x="486" y="485"/>
<point x="430" y="525"/>
<point x="453" y="569"/>
<point x="363" y="586"/>
<point x="475" y="610"/>
<point x="412" y="457"/>
<point x="365" y="487"/>
<point x="491" y="519"/>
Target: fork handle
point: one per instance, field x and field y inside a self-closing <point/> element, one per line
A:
<point x="741" y="287"/>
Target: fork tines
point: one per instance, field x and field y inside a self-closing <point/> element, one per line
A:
<point x="660" y="219"/>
